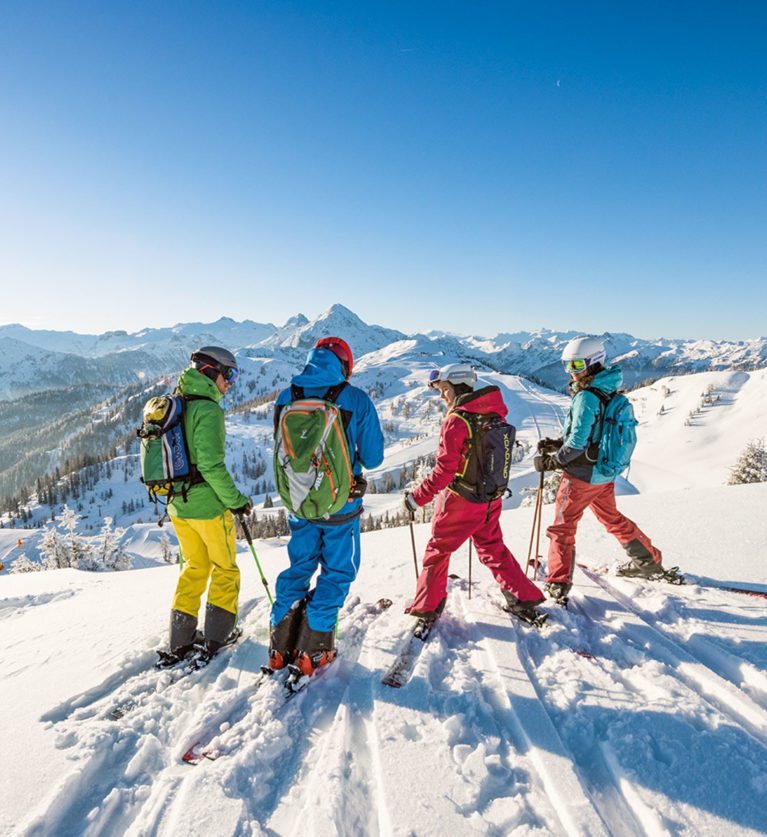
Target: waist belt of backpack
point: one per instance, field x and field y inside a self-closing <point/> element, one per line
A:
<point x="336" y="519"/>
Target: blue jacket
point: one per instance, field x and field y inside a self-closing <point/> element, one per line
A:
<point x="581" y="433"/>
<point x="323" y="370"/>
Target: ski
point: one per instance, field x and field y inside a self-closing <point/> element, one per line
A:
<point x="669" y="576"/>
<point x="537" y="621"/>
<point x="200" y="751"/>
<point x="401" y="669"/>
<point x="172" y="669"/>
<point x="293" y="681"/>
<point x="673" y="576"/>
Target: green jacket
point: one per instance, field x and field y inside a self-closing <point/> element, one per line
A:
<point x="206" y="439"/>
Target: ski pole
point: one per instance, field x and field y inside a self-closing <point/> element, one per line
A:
<point x="249" y="539"/>
<point x="412" y="541"/>
<point x="536" y="526"/>
<point x="469" y="567"/>
<point x="538" y="529"/>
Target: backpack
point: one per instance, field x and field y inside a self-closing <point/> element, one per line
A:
<point x="166" y="469"/>
<point x="312" y="462"/>
<point x="485" y="476"/>
<point x="617" y="433"/>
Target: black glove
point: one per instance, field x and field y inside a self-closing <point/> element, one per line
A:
<point x="410" y="504"/>
<point x="244" y="511"/>
<point x="359" y="487"/>
<point x="545" y="462"/>
<point x="549" y="445"/>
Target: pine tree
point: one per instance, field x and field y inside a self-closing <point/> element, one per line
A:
<point x="751" y="465"/>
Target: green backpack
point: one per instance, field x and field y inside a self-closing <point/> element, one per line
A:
<point x="312" y="463"/>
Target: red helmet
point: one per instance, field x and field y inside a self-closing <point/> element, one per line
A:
<point x="340" y="349"/>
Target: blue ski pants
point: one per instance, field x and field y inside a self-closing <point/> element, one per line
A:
<point x="335" y="550"/>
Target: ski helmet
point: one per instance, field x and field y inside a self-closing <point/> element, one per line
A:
<point x="217" y="360"/>
<point x="589" y="350"/>
<point x="340" y="349"/>
<point x="454" y="373"/>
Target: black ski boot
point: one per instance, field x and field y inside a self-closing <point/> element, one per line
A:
<point x="184" y="640"/>
<point x="559" y="591"/>
<point x="284" y="635"/>
<point x="526" y="611"/>
<point x="650" y="571"/>
<point x="426" y="619"/>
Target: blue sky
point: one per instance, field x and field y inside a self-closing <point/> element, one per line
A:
<point x="477" y="167"/>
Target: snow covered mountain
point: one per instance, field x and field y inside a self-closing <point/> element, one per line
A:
<point x="34" y="361"/>
<point x="641" y="709"/>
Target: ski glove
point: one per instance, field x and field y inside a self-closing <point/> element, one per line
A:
<point x="410" y="504"/>
<point x="244" y="510"/>
<point x="545" y="462"/>
<point x="549" y="445"/>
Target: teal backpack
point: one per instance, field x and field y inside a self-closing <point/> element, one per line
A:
<point x="617" y="436"/>
<point x="312" y="463"/>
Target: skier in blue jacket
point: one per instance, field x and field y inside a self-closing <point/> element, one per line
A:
<point x="303" y="622"/>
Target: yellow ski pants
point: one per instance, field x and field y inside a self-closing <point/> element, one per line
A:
<point x="209" y="551"/>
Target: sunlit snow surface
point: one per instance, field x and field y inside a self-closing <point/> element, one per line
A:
<point x="642" y="709"/>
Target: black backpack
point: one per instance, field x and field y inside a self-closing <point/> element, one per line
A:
<point x="485" y="476"/>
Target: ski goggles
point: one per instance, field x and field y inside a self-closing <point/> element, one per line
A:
<point x="434" y="377"/>
<point x="230" y="373"/>
<point x="574" y="366"/>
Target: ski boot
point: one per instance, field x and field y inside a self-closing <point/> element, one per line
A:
<point x="210" y="648"/>
<point x="526" y="611"/>
<point x="426" y="619"/>
<point x="314" y="649"/>
<point x="559" y="591"/>
<point x="283" y="637"/>
<point x="650" y="571"/>
<point x="184" y="640"/>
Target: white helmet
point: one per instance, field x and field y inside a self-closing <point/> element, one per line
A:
<point x="590" y="349"/>
<point x="454" y="373"/>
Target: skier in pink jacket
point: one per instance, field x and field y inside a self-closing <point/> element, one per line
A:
<point x="463" y="509"/>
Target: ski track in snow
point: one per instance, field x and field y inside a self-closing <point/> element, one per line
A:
<point x="579" y="728"/>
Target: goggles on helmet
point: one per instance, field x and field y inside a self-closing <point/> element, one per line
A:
<point x="574" y="366"/>
<point x="433" y="377"/>
<point x="230" y="373"/>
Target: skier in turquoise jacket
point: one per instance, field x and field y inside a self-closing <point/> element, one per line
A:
<point x="583" y="485"/>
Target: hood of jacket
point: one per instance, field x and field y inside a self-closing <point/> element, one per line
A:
<point x="323" y="369"/>
<point x="485" y="400"/>
<point x="193" y="382"/>
<point x="608" y="380"/>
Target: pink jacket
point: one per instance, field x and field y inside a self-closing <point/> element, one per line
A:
<point x="454" y="441"/>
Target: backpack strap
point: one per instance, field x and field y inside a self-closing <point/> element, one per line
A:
<point x="332" y="394"/>
<point x="195" y="477"/>
<point x="604" y="399"/>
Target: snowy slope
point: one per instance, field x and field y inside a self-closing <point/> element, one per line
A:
<point x="640" y="710"/>
<point x="673" y="454"/>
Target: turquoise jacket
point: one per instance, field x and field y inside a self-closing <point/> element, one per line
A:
<point x="582" y="429"/>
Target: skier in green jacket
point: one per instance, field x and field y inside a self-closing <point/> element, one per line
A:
<point x="203" y="517"/>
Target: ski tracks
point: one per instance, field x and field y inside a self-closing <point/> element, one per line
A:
<point x="641" y="715"/>
<point x="121" y="764"/>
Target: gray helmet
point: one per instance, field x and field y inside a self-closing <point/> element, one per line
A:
<point x="454" y="373"/>
<point x="221" y="360"/>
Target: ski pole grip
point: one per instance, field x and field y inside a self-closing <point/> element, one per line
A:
<point x="245" y="528"/>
